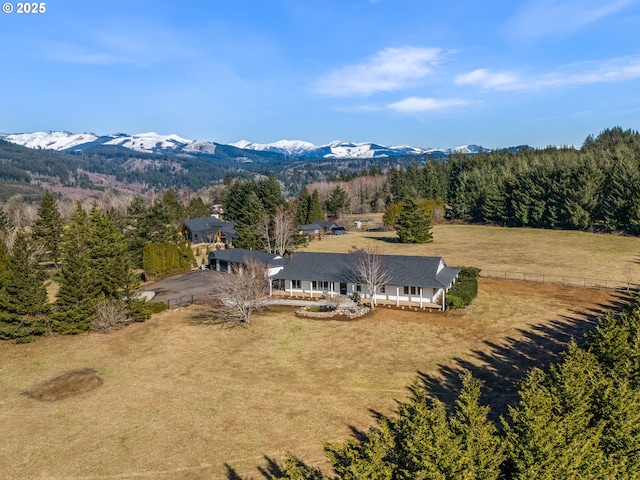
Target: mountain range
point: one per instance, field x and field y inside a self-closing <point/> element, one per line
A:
<point x="151" y="142"/>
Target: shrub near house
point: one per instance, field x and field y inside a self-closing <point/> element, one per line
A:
<point x="465" y="289"/>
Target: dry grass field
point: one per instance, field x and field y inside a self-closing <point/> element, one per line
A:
<point x="181" y="398"/>
<point x="556" y="252"/>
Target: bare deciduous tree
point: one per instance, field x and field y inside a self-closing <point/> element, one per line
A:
<point x="370" y="269"/>
<point x="242" y="292"/>
<point x="284" y="230"/>
<point x="278" y="233"/>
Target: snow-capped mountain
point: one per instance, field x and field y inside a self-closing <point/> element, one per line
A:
<point x="51" y="140"/>
<point x="286" y="147"/>
<point x="152" y="142"/>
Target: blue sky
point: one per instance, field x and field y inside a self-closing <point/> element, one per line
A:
<point x="418" y="72"/>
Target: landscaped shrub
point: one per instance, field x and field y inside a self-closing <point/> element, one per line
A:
<point x="157" y="307"/>
<point x="465" y="289"/>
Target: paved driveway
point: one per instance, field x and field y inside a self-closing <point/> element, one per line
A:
<point x="194" y="282"/>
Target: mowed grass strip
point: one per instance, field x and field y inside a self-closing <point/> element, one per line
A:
<point x="181" y="398"/>
<point x="553" y="252"/>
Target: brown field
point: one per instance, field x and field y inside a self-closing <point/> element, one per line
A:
<point x="180" y="398"/>
<point x="537" y="251"/>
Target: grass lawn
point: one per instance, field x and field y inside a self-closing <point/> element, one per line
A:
<point x="184" y="399"/>
<point x="557" y="252"/>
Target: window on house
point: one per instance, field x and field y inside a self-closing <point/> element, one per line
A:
<point x="295" y="284"/>
<point x="383" y="289"/>
<point x="410" y="290"/>
<point x="358" y="288"/>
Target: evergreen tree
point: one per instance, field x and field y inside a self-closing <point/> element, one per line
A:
<point x="23" y="296"/>
<point x="78" y="290"/>
<point x="245" y="210"/>
<point x="303" y="206"/>
<point x="338" y="202"/>
<point x="315" y="208"/>
<point x="414" y="224"/>
<point x="110" y="261"/>
<point x="269" y="193"/>
<point x="197" y="208"/>
<point x="48" y="227"/>
<point x="172" y="206"/>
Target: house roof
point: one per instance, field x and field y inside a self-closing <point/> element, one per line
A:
<point x="404" y="270"/>
<point x="317" y="225"/>
<point x="209" y="225"/>
<point x="242" y="256"/>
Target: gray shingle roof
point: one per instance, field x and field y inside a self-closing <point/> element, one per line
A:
<point x="240" y="255"/>
<point x="205" y="225"/>
<point x="405" y="270"/>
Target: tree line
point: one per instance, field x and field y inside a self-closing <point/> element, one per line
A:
<point x="580" y="418"/>
<point x="92" y="257"/>
<point x="596" y="187"/>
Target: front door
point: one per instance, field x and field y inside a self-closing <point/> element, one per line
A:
<point x="343" y="288"/>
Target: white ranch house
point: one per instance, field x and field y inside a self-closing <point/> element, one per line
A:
<point x="414" y="280"/>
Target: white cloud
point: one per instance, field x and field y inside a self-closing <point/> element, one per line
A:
<point x="609" y="71"/>
<point x="540" y="18"/>
<point x="417" y="104"/>
<point x="487" y="79"/>
<point x="389" y="70"/>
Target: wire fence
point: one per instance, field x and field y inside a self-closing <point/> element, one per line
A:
<point x="565" y="280"/>
<point x="185" y="300"/>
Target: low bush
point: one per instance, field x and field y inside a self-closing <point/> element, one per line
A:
<point x="465" y="289"/>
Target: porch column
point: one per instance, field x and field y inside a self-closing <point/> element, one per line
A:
<point x="420" y="297"/>
<point x="270" y="287"/>
<point x="311" y="289"/>
<point x="217" y="265"/>
<point x="228" y="267"/>
<point x="291" y="288"/>
<point x="443" y="292"/>
<point x="333" y="289"/>
<point x="397" y="296"/>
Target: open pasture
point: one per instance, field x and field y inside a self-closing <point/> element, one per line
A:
<point x="538" y="251"/>
<point x="184" y="399"/>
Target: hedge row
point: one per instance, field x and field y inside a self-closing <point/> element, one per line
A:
<point x="465" y="289"/>
<point x="164" y="258"/>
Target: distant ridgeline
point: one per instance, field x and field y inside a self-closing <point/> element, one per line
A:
<point x="594" y="187"/>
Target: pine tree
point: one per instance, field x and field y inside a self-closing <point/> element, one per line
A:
<point x="48" y="227"/>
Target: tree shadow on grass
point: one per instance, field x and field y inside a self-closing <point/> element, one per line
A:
<point x="502" y="366"/>
<point x="386" y="239"/>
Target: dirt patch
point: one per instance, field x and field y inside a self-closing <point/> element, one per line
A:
<point x="67" y="385"/>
